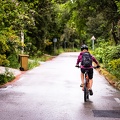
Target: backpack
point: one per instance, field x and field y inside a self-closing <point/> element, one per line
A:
<point x="86" y="59"/>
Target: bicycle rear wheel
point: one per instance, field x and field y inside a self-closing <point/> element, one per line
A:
<point x="85" y="93"/>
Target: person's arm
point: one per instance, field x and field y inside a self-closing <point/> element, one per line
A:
<point x="94" y="60"/>
<point x="77" y="63"/>
<point x="79" y="59"/>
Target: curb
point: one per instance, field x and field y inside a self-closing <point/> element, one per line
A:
<point x="112" y="82"/>
<point x="12" y="81"/>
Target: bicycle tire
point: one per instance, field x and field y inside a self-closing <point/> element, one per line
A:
<point x="87" y="96"/>
<point x="85" y="93"/>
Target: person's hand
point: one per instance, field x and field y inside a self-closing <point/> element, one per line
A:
<point x="77" y="65"/>
<point x="98" y="66"/>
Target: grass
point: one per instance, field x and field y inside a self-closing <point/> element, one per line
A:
<point x="113" y="80"/>
<point x="34" y="62"/>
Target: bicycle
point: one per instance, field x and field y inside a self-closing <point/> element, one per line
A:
<point x="86" y="84"/>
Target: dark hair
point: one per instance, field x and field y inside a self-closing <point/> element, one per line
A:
<point x="84" y="47"/>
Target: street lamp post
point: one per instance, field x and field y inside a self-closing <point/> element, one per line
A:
<point x="22" y="41"/>
<point x="64" y="44"/>
<point x="54" y="41"/>
<point x="93" y="39"/>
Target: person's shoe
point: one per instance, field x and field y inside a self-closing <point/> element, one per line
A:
<point x="81" y="85"/>
<point x="91" y="92"/>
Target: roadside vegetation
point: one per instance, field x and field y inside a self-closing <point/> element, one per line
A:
<point x="5" y="77"/>
<point x="109" y="57"/>
<point x="44" y="29"/>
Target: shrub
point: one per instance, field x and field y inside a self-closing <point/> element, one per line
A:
<point x="114" y="64"/>
<point x="99" y="54"/>
<point x="3" y="60"/>
<point x="13" y="61"/>
<point x="110" y="57"/>
<point x="32" y="64"/>
<point x="114" y="67"/>
<point x="110" y="53"/>
<point x="6" y="77"/>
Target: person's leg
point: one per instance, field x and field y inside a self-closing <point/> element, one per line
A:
<point x="90" y="74"/>
<point x="82" y="77"/>
<point x="90" y="86"/>
<point x="90" y="81"/>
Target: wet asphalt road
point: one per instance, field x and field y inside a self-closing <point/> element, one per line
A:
<point x="51" y="92"/>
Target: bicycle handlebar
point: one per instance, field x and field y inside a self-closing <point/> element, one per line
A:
<point x="95" y="67"/>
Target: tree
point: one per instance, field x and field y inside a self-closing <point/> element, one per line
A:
<point x="8" y="39"/>
<point x="97" y="26"/>
<point x="109" y="11"/>
<point x="86" y="12"/>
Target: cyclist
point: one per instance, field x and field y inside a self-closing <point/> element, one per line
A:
<point x="84" y="49"/>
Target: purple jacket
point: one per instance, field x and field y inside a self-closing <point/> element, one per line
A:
<point x="80" y="59"/>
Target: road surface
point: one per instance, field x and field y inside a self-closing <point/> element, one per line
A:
<point x="51" y="92"/>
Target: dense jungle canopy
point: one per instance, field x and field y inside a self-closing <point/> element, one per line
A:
<point x="31" y="26"/>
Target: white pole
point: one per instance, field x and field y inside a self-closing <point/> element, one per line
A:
<point x="93" y="38"/>
<point x="54" y="41"/>
<point x="93" y="44"/>
<point x="22" y="41"/>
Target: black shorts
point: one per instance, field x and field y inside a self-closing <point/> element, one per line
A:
<point x="90" y="72"/>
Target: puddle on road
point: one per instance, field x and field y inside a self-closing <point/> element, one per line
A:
<point x="107" y="113"/>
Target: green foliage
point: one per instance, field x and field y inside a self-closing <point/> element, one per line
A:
<point x="9" y="47"/>
<point x="97" y="17"/>
<point x="3" y="60"/>
<point x="111" y="53"/>
<point x="45" y="58"/>
<point x="6" y="77"/>
<point x="110" y="57"/>
<point x="106" y="52"/>
<point x="15" y="64"/>
<point x="71" y="22"/>
<point x="32" y="64"/>
<point x="37" y="54"/>
<point x="99" y="54"/>
<point x="118" y="5"/>
<point x="96" y="25"/>
<point x="114" y="67"/>
<point x="114" y="64"/>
